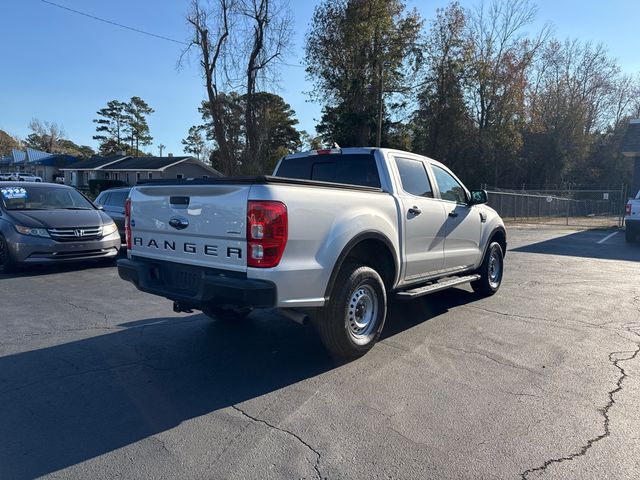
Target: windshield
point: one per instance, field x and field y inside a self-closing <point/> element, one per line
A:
<point x="26" y="197"/>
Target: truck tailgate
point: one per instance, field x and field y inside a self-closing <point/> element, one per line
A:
<point x="196" y="225"/>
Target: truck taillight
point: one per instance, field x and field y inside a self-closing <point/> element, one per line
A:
<point x="127" y="222"/>
<point x="267" y="230"/>
<point x="627" y="210"/>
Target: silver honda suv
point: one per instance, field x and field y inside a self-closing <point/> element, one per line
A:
<point x="47" y="223"/>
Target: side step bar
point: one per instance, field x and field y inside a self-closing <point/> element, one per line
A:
<point x="434" y="287"/>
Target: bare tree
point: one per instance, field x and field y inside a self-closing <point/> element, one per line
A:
<point x="271" y="25"/>
<point x="239" y="42"/>
<point x="44" y="135"/>
<point x="211" y="40"/>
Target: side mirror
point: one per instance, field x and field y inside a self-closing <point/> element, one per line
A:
<point x="99" y="207"/>
<point x="478" y="197"/>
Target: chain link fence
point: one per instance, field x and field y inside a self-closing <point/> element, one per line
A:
<point x="586" y="208"/>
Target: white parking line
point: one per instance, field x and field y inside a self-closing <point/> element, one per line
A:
<point x="606" y="238"/>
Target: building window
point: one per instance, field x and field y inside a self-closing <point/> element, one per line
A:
<point x="137" y="175"/>
<point x="179" y="176"/>
<point x="127" y="177"/>
<point x="150" y="175"/>
<point x="205" y="176"/>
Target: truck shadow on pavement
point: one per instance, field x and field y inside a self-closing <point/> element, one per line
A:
<point x="585" y="244"/>
<point x="72" y="402"/>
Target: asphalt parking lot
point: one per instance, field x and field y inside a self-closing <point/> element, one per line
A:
<point x="542" y="380"/>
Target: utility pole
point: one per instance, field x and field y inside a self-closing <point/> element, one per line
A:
<point x="384" y="65"/>
<point x="161" y="147"/>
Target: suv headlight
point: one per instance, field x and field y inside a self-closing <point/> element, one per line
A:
<point x="109" y="228"/>
<point x="34" y="232"/>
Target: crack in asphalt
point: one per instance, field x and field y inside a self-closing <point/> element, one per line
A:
<point x="517" y="394"/>
<point x="556" y="323"/>
<point x="488" y="310"/>
<point x="604" y="411"/>
<point x="270" y="425"/>
<point x="162" y="444"/>
<point x="86" y="309"/>
<point x="473" y="352"/>
<point x="392" y="345"/>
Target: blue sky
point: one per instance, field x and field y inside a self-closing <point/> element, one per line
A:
<point x="59" y="66"/>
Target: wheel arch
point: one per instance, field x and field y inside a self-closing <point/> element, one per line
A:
<point x="498" y="234"/>
<point x="373" y="249"/>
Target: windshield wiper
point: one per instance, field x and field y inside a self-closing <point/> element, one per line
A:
<point x="75" y="208"/>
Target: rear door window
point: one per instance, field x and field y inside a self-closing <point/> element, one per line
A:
<point x="351" y="169"/>
<point x="414" y="178"/>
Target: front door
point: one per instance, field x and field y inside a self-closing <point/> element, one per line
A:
<point x="463" y="225"/>
<point x="424" y="221"/>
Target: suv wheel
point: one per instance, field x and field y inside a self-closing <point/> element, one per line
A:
<point x="490" y="271"/>
<point x="351" y="323"/>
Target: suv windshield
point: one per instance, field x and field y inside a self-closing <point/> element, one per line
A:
<point x="27" y="197"/>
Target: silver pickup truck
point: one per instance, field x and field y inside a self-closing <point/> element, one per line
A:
<point x="329" y="237"/>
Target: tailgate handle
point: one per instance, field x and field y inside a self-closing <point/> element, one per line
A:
<point x="179" y="200"/>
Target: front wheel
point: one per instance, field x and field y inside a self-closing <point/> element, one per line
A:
<point x="7" y="265"/>
<point x="490" y="271"/>
<point x="351" y="323"/>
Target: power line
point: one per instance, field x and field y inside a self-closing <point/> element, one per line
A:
<point x="137" y="30"/>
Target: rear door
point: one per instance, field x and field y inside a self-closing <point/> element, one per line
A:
<point x="423" y="220"/>
<point x="201" y="225"/>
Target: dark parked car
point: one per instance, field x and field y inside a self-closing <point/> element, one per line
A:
<point x="112" y="202"/>
<point x="50" y="223"/>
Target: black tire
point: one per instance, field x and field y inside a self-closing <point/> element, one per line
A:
<point x="227" y="315"/>
<point x="358" y="292"/>
<point x="7" y="265"/>
<point x="630" y="235"/>
<point x="490" y="271"/>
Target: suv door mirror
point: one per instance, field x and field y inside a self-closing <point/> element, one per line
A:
<point x="478" y="197"/>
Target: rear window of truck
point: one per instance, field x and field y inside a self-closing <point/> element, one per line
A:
<point x="351" y="169"/>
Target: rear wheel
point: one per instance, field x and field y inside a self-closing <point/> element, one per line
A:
<point x="351" y="323"/>
<point x="7" y="265"/>
<point x="629" y="234"/>
<point x="490" y="271"/>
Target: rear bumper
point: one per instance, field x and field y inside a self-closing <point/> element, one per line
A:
<point x="197" y="287"/>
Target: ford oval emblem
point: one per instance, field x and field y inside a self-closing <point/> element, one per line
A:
<point x="179" y="223"/>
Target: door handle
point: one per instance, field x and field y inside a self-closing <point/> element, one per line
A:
<point x="453" y="214"/>
<point x="415" y="210"/>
